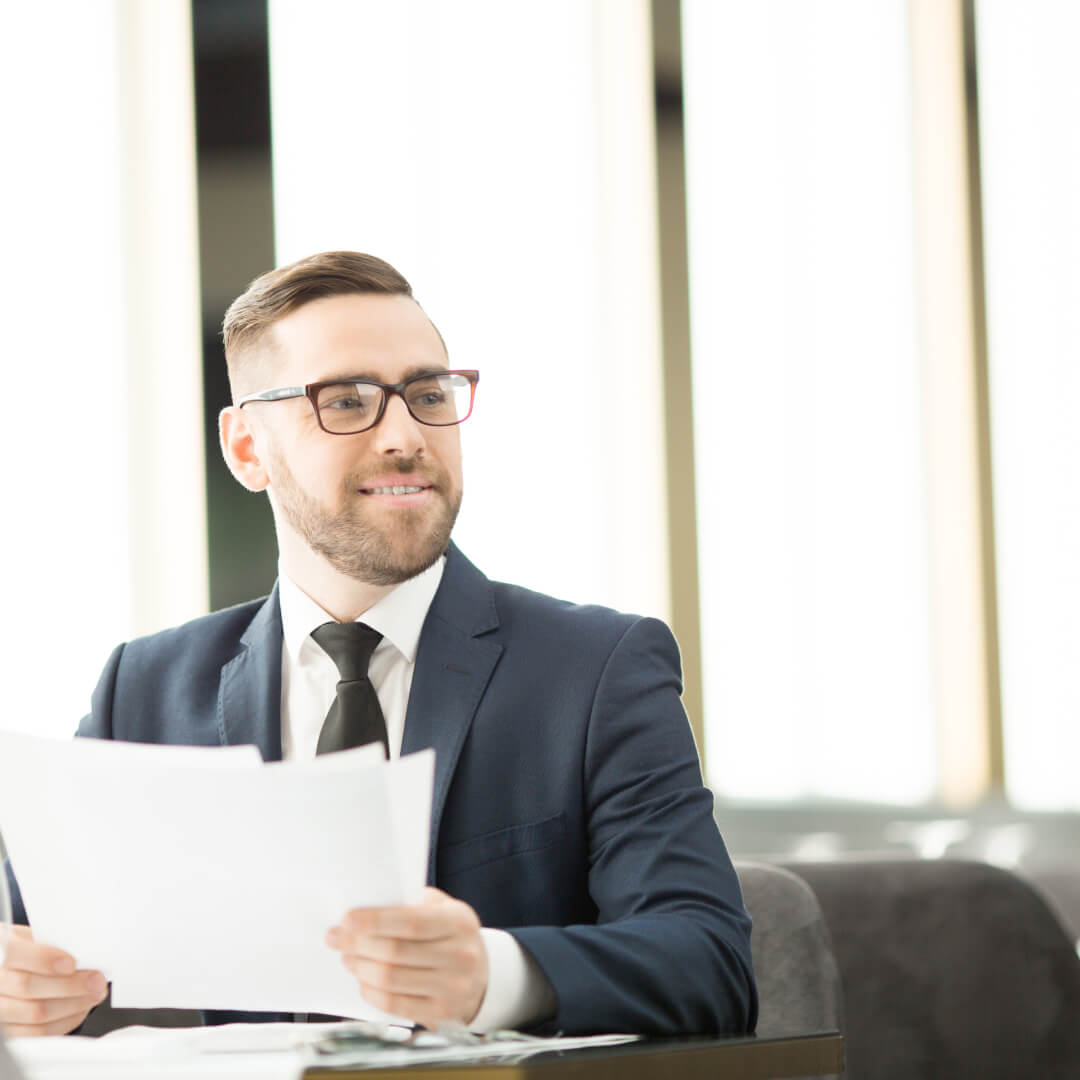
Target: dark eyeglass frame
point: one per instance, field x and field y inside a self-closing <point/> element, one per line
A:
<point x="311" y="392"/>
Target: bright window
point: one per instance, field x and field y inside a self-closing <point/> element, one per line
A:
<point x="500" y="155"/>
<point x="104" y="523"/>
<point x="1029" y="99"/>
<point x="811" y="500"/>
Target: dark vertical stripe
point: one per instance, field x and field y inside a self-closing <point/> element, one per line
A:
<point x="236" y="243"/>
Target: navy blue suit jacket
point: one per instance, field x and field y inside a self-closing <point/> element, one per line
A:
<point x="568" y="806"/>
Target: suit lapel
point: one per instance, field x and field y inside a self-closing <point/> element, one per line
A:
<point x="454" y="663"/>
<point x="249" y="695"/>
<point x="453" y="666"/>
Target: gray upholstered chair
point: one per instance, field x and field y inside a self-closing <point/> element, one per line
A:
<point x="797" y="976"/>
<point x="1059" y="884"/>
<point x="950" y="969"/>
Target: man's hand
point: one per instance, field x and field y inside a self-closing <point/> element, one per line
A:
<point x="41" y="992"/>
<point x="426" y="961"/>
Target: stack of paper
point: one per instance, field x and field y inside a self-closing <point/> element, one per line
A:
<point x="265" y="1052"/>
<point x="202" y="878"/>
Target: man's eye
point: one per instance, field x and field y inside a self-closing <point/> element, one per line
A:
<point x="345" y="402"/>
<point x="430" y="399"/>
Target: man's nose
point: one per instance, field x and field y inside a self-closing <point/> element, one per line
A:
<point x="398" y="431"/>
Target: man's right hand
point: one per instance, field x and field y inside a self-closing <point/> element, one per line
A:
<point x="41" y="992"/>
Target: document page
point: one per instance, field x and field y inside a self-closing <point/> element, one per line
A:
<point x="202" y="878"/>
<point x="268" y="1051"/>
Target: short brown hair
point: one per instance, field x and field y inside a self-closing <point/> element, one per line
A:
<point x="278" y="292"/>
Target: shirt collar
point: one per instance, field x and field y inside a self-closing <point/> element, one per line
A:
<point x="399" y="616"/>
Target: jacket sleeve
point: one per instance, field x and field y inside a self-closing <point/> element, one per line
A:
<point x="670" y="950"/>
<point x="98" y="723"/>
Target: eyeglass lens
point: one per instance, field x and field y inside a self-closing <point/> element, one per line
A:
<point x="438" y="400"/>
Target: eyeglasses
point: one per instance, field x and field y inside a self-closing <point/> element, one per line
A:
<point x="348" y="406"/>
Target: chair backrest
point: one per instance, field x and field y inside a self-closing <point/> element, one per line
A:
<point x="1058" y="883"/>
<point x="950" y="969"/>
<point x="797" y="976"/>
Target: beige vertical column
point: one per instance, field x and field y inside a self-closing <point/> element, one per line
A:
<point x="678" y="392"/>
<point x="164" y="342"/>
<point x="628" y="319"/>
<point x="955" y="406"/>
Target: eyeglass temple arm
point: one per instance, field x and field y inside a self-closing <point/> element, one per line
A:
<point x="274" y="395"/>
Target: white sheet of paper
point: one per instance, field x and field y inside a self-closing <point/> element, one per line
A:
<point x="150" y="1054"/>
<point x="253" y="1052"/>
<point x="200" y="878"/>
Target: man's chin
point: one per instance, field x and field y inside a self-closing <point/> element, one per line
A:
<point x="389" y="568"/>
<point x="394" y="550"/>
<point x="378" y="545"/>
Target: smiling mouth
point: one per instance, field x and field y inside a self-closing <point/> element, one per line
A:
<point x="396" y="489"/>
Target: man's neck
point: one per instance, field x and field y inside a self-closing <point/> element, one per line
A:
<point x="338" y="594"/>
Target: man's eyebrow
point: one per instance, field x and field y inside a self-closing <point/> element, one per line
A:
<point x="410" y="373"/>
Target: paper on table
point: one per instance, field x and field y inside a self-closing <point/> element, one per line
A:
<point x="148" y="1055"/>
<point x="198" y="878"/>
<point x="257" y="1051"/>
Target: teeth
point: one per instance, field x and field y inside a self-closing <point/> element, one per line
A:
<point x="397" y="489"/>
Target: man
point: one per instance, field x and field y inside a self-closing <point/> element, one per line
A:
<point x="577" y="879"/>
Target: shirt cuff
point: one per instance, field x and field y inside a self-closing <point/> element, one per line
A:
<point x="518" y="992"/>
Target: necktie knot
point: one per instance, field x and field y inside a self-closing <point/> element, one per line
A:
<point x="355" y="717"/>
<point x="349" y="645"/>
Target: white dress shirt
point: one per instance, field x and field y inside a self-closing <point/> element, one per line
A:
<point x="517" y="991"/>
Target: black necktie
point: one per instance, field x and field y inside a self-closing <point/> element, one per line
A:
<point x="355" y="718"/>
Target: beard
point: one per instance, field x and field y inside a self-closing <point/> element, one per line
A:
<point x="358" y="545"/>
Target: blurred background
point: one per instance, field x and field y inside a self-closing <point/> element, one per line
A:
<point x="776" y="308"/>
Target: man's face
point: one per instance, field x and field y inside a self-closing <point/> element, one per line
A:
<point x="333" y="489"/>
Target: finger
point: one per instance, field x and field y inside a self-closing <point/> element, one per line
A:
<point x="431" y="1012"/>
<point x="388" y="950"/>
<point x="38" y="1014"/>
<point x="419" y="1010"/>
<point x="427" y="922"/>
<point x="57" y="1027"/>
<point x="433" y="901"/>
<point x="28" y="986"/>
<point x="412" y="924"/>
<point x="26" y="954"/>
<point x="392" y="978"/>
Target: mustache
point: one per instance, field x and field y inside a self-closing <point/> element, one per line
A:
<point x="414" y="466"/>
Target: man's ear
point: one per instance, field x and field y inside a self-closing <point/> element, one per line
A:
<point x="239" y="450"/>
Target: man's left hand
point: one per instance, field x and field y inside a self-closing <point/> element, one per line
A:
<point x="425" y="961"/>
